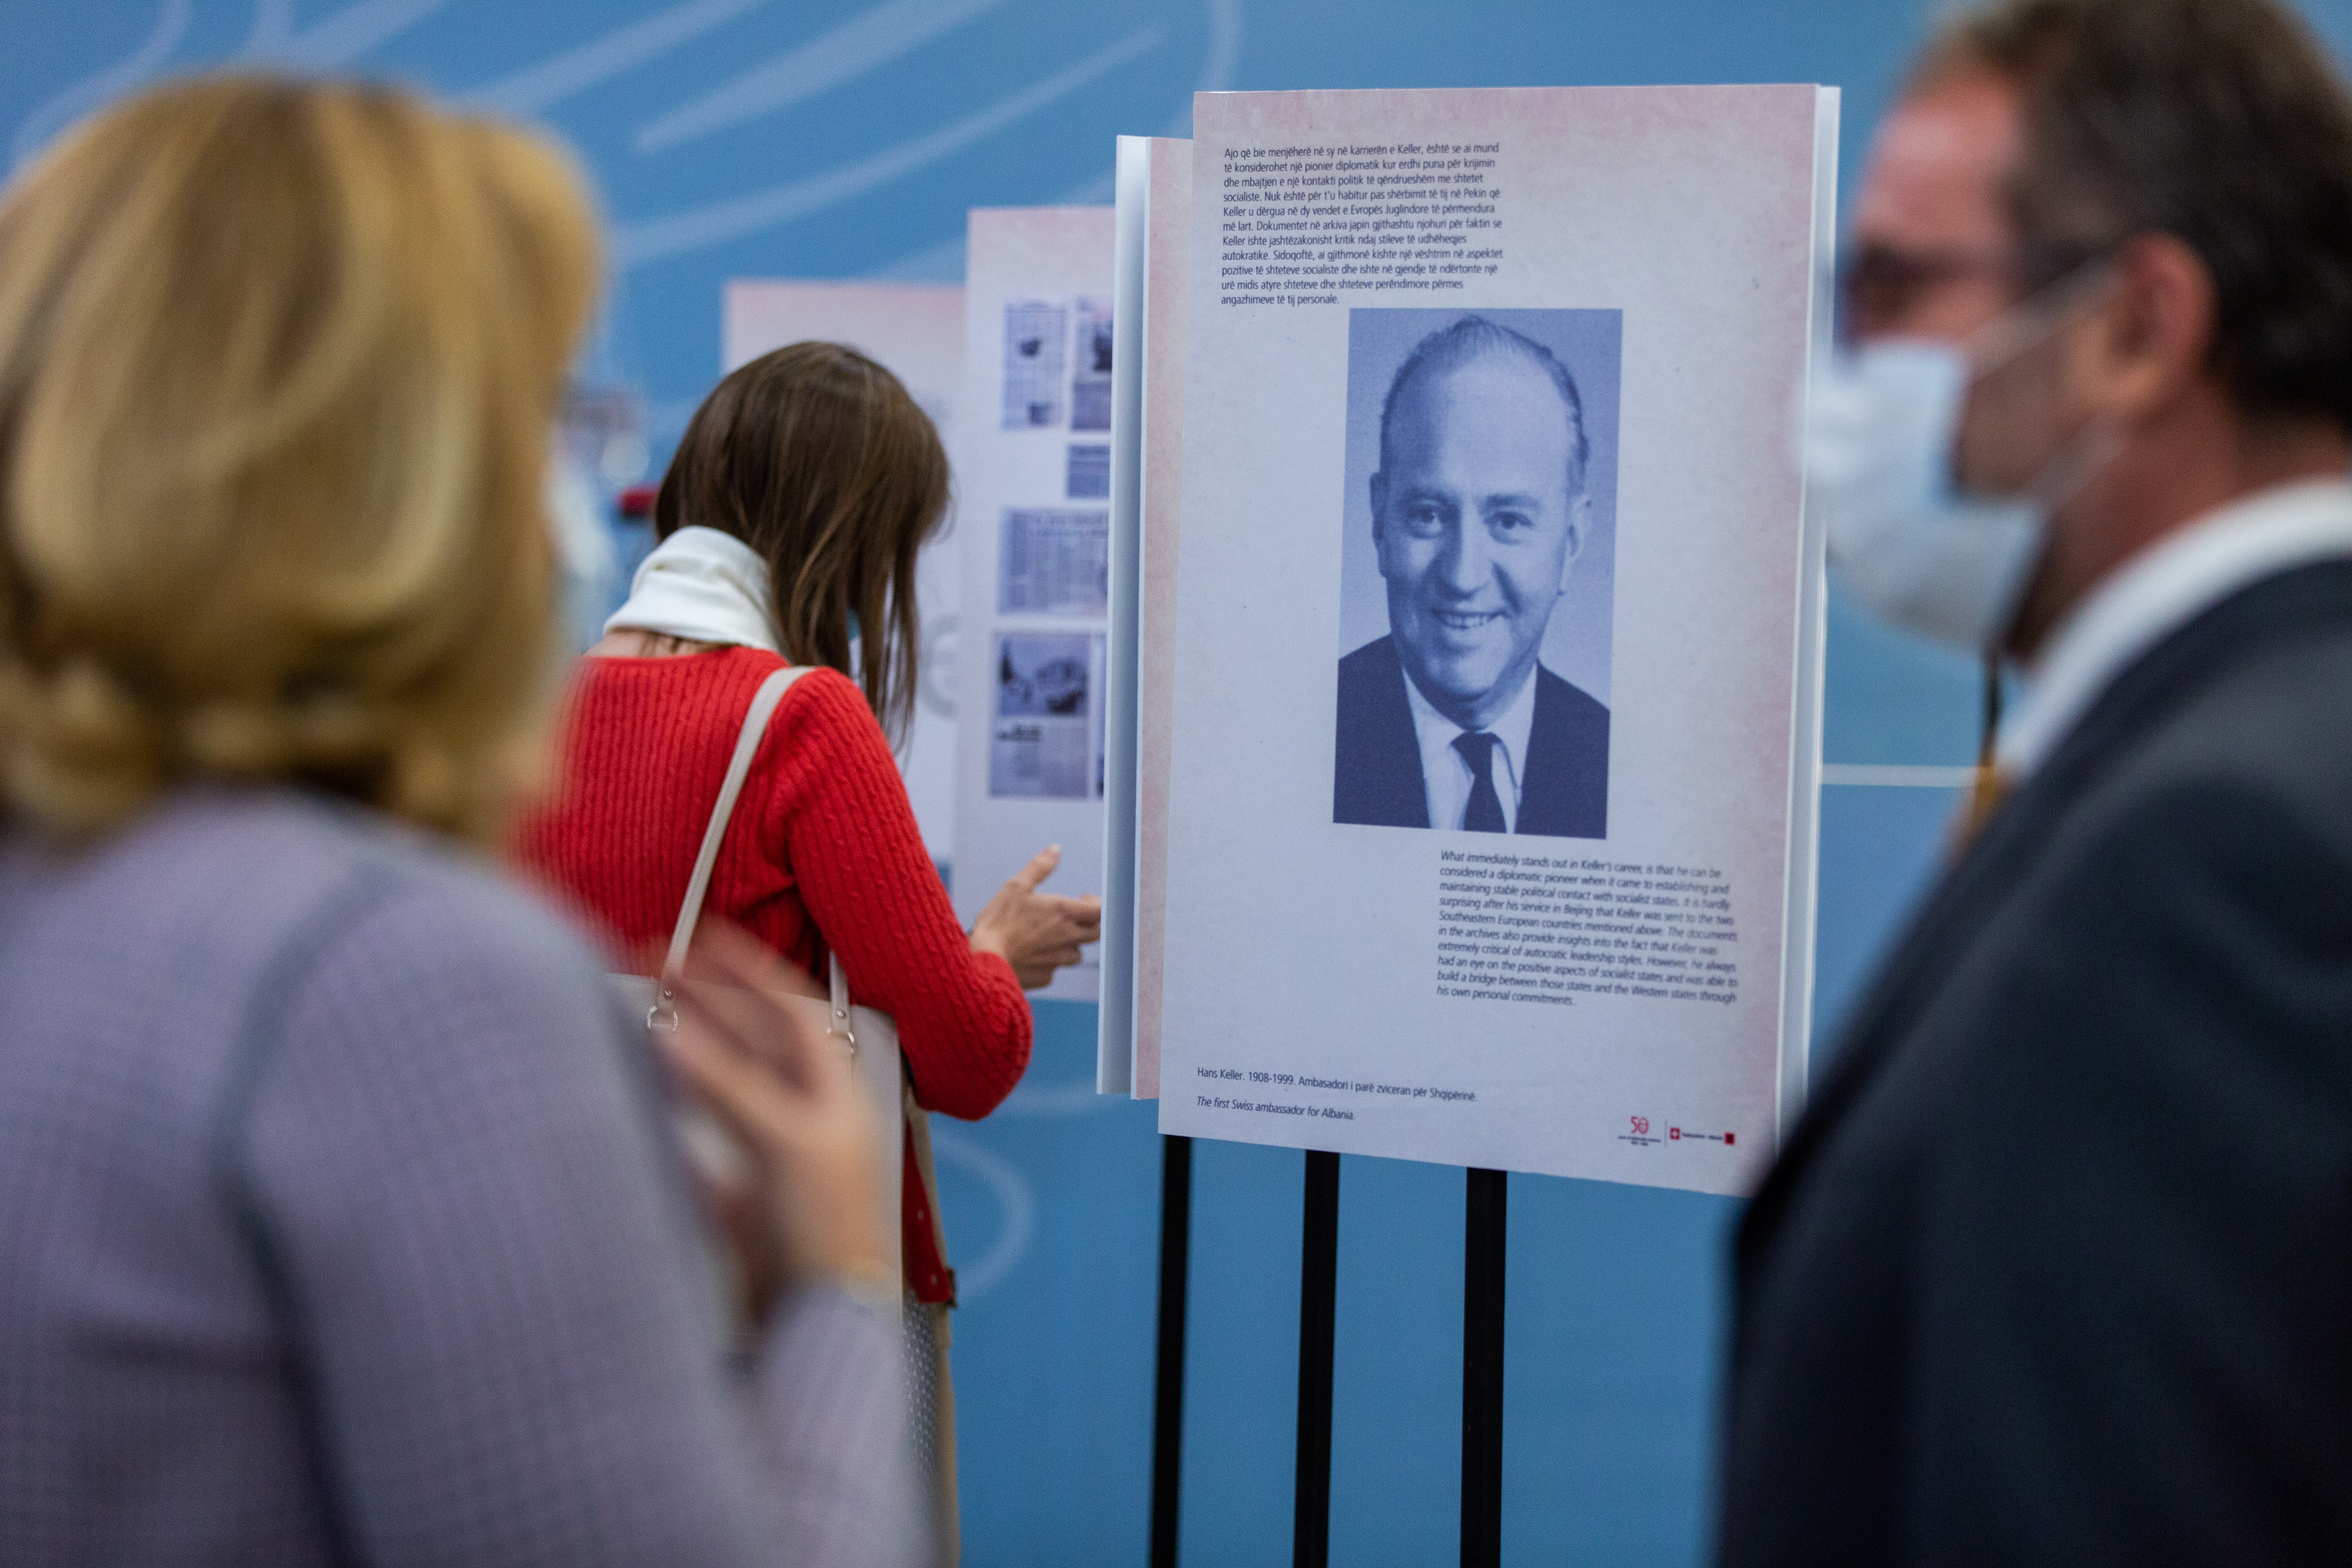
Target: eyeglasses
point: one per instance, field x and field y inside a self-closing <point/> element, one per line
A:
<point x="1881" y="285"/>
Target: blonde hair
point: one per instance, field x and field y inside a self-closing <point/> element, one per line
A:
<point x="277" y="367"/>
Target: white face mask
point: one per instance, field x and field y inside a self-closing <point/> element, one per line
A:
<point x="1879" y="433"/>
<point x="1881" y="428"/>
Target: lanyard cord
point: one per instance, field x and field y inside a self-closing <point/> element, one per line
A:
<point x="1987" y="793"/>
<point x="1990" y="738"/>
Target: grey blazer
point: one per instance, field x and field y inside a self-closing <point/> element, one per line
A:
<point x="338" y="1223"/>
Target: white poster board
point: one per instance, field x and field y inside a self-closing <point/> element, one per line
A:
<point x="1494" y="658"/>
<point x="1154" y="188"/>
<point x="915" y="331"/>
<point x="1033" y="476"/>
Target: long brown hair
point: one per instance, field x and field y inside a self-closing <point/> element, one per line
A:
<point x="815" y="457"/>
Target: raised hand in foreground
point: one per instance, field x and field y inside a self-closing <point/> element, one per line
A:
<point x="760" y="1060"/>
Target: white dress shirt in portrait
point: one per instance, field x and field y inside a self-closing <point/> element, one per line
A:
<point x="1446" y="774"/>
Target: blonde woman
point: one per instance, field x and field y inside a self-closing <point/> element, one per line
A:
<point x="336" y="1222"/>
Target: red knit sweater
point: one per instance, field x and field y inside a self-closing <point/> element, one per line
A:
<point x="823" y="850"/>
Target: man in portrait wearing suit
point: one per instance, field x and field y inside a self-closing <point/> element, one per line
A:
<point x="1478" y="510"/>
<point x="2056" y="1266"/>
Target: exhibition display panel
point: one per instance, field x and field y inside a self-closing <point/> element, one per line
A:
<point x="1032" y="512"/>
<point x="1480" y="826"/>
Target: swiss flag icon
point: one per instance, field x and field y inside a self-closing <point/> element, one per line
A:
<point x="1674" y="1132"/>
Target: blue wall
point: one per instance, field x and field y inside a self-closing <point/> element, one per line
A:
<point x="736" y="138"/>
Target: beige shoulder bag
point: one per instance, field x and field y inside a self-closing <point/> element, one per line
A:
<point x="870" y="1036"/>
<point x="872" y="1039"/>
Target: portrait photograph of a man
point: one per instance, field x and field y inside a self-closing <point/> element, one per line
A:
<point x="1476" y="582"/>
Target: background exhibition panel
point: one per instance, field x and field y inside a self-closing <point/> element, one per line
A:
<point x="1033" y="482"/>
<point x="755" y="138"/>
<point x="915" y="331"/>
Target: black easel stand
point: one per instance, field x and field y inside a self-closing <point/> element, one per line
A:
<point x="1482" y="1252"/>
<point x="1318" y="1271"/>
<point x="1168" y="1393"/>
<point x="1482" y="1370"/>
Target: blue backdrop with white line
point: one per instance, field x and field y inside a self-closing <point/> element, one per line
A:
<point x="752" y="138"/>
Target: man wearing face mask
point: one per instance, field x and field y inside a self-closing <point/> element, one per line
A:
<point x="2058" y="1264"/>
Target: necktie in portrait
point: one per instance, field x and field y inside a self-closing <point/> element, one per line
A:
<point x="1485" y="811"/>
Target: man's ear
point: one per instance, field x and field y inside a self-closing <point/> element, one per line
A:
<point x="2156" y="340"/>
<point x="1380" y="502"/>
<point x="1580" y="529"/>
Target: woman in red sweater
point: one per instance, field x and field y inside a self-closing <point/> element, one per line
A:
<point x="789" y="521"/>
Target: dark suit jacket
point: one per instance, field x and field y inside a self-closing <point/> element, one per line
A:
<point x="1377" y="774"/>
<point x="2057" y="1267"/>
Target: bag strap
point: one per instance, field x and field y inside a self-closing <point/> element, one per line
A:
<point x="747" y="745"/>
<point x="841" y="1025"/>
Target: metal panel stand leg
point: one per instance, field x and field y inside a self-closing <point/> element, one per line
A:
<point x="1319" y="1269"/>
<point x="1482" y="1370"/>
<point x="1168" y="1393"/>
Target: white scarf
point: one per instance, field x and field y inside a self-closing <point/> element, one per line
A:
<point x="704" y="586"/>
